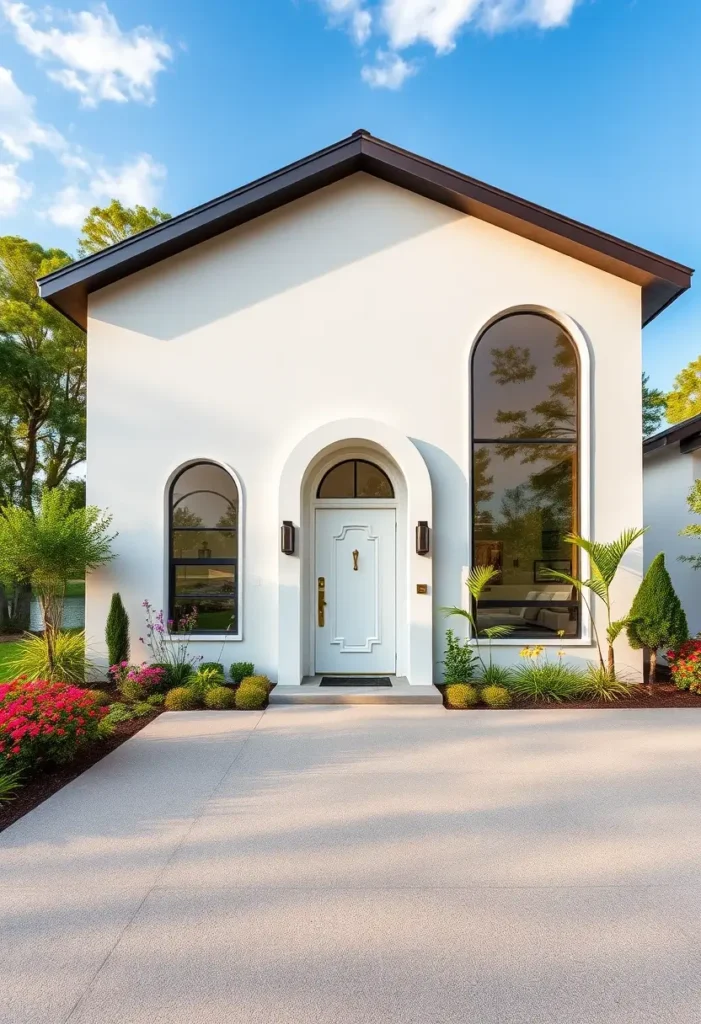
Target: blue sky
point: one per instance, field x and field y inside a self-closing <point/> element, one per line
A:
<point x="589" y="107"/>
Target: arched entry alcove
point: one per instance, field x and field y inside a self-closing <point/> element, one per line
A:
<point x="404" y="499"/>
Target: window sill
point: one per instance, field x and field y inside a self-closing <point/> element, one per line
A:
<point x="205" y="637"/>
<point x="539" y="641"/>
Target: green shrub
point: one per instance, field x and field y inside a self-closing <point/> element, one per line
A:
<point x="10" y="782"/>
<point x="495" y="675"/>
<point x="599" y="684"/>
<point x="173" y="675"/>
<point x="119" y="712"/>
<point x="203" y="680"/>
<point x="262" y="682"/>
<point x="544" y="680"/>
<point x="216" y="665"/>
<point x="459" y="661"/>
<point x="250" y="697"/>
<point x="142" y="708"/>
<point x="69" y="662"/>
<point x="656" y="618"/>
<point x="117" y="632"/>
<point x="220" y="697"/>
<point x="156" y="700"/>
<point x="496" y="696"/>
<point x="240" y="669"/>
<point x="182" y="698"/>
<point x="132" y="690"/>
<point x="100" y="697"/>
<point x="461" y="695"/>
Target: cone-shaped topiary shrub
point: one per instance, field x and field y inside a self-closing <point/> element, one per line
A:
<point x="240" y="669"/>
<point x="182" y="698"/>
<point x="220" y="697"/>
<point x="461" y="695"/>
<point x="117" y="632"/>
<point x="262" y="682"/>
<point x="250" y="698"/>
<point x="496" y="696"/>
<point x="657" y="618"/>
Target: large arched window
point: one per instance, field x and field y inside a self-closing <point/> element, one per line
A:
<point x="525" y="474"/>
<point x="204" y="549"/>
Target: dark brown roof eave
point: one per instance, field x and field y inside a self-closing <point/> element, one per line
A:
<point x="661" y="280"/>
<point x="678" y="433"/>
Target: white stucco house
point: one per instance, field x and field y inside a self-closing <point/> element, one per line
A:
<point x="315" y="402"/>
<point x="672" y="463"/>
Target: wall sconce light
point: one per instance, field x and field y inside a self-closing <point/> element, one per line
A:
<point x="422" y="537"/>
<point x="287" y="537"/>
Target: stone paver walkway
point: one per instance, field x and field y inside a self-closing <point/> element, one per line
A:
<point x="365" y="865"/>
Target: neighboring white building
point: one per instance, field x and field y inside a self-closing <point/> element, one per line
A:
<point x="334" y="358"/>
<point x="672" y="462"/>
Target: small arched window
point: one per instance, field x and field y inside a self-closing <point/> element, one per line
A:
<point x="204" y="550"/>
<point x="355" y="478"/>
<point x="525" y="475"/>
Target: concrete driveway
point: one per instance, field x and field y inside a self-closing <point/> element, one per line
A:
<point x="365" y="865"/>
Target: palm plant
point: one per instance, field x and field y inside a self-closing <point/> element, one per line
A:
<point x="605" y="560"/>
<point x="480" y="576"/>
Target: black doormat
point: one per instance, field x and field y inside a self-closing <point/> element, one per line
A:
<point x="355" y="681"/>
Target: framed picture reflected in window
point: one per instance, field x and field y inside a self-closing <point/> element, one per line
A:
<point x="556" y="564"/>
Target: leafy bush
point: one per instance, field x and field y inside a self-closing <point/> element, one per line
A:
<point x="182" y="698"/>
<point x="99" y="696"/>
<point x="156" y="700"/>
<point x="119" y="712"/>
<point x="142" y="708"/>
<point x="656" y="618"/>
<point x="45" y="721"/>
<point x="117" y="632"/>
<point x="174" y="675"/>
<point x="59" y="659"/>
<point x="545" y="680"/>
<point x="495" y="675"/>
<point x="459" y="661"/>
<point x="240" y="670"/>
<point x="461" y="695"/>
<point x="220" y="697"/>
<point x="135" y="682"/>
<point x="203" y="680"/>
<point x="496" y="696"/>
<point x="262" y="682"/>
<point x="599" y="684"/>
<point x="685" y="666"/>
<point x="10" y="782"/>
<point x="216" y="665"/>
<point x="250" y="697"/>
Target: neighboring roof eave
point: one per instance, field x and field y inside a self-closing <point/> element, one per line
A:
<point x="678" y="433"/>
<point x="661" y="280"/>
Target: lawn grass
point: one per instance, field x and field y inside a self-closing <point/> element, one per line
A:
<point x="75" y="588"/>
<point x="8" y="653"/>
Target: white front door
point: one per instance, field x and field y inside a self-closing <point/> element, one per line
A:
<point x="355" y="590"/>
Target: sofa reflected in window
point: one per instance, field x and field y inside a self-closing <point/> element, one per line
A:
<point x="548" y="612"/>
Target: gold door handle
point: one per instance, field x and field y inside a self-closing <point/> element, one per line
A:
<point x="320" y="600"/>
<point x="355" y="560"/>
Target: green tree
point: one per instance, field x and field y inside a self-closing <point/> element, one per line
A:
<point x="117" y="632"/>
<point x="693" y="500"/>
<point x="47" y="549"/>
<point x="654" y="407"/>
<point x="110" y="224"/>
<point x="684" y="400"/>
<point x="605" y="560"/>
<point x="656" y="618"/>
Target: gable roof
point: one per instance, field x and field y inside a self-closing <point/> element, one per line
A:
<point x="686" y="434"/>
<point x="661" y="280"/>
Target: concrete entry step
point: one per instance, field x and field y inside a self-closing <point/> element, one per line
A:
<point x="311" y="692"/>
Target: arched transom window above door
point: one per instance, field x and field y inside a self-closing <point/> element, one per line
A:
<point x="355" y="478"/>
<point x="204" y="549"/>
<point x="525" y="476"/>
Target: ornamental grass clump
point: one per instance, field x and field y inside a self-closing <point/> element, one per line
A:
<point x="540" y="679"/>
<point x="182" y="698"/>
<point x="250" y="697"/>
<point x="58" y="657"/>
<point x="43" y="721"/>
<point x="598" y="684"/>
<point x="461" y="695"/>
<point x="219" y="698"/>
<point x="495" y="675"/>
<point x="496" y="696"/>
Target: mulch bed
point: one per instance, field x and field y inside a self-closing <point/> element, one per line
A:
<point x="44" y="785"/>
<point x="664" y="695"/>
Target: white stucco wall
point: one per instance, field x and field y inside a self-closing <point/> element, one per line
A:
<point x="361" y="301"/>
<point x="668" y="478"/>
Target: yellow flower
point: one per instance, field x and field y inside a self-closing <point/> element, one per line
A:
<point x="525" y="652"/>
<point x="560" y="654"/>
<point x="560" y="632"/>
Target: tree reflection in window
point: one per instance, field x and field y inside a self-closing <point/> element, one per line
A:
<point x="525" y="472"/>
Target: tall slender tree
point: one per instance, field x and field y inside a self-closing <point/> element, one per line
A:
<point x="654" y="407"/>
<point x="107" y="225"/>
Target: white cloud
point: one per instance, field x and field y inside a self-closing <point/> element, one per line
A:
<point x="400" y="24"/>
<point x="13" y="189"/>
<point x="136" y="182"/>
<point x="20" y="132"/>
<point x="95" y="57"/>
<point x="389" y="72"/>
